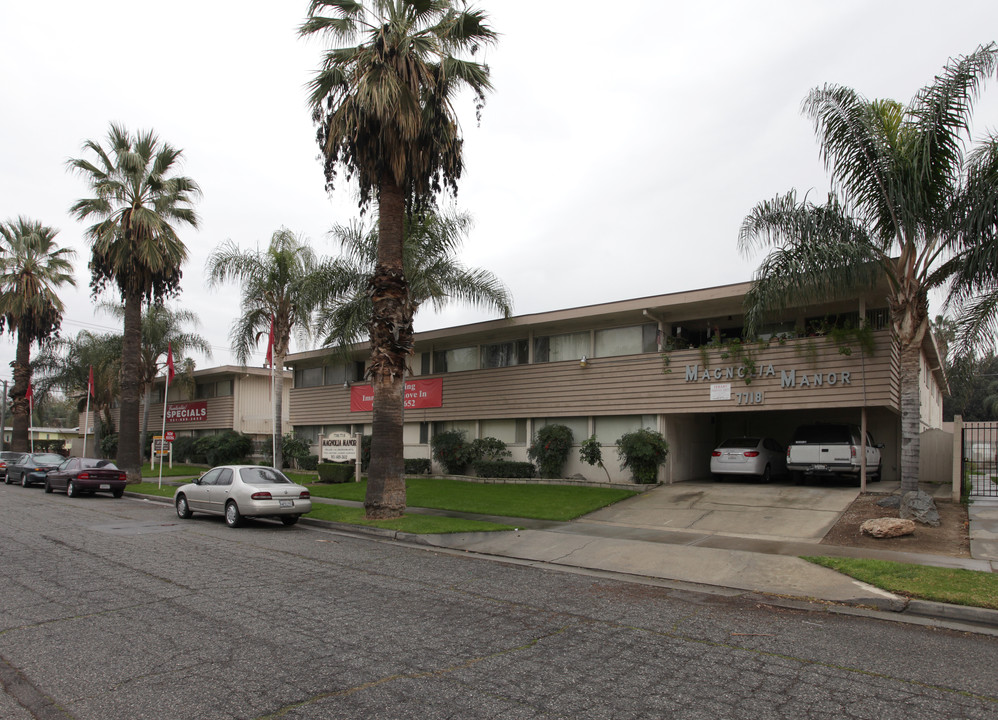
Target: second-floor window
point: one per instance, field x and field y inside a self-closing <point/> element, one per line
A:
<point x="504" y="354"/>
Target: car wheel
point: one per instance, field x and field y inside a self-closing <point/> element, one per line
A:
<point x="183" y="509"/>
<point x="879" y="473"/>
<point x="24" y="481"/>
<point x="118" y="493"/>
<point x="232" y="516"/>
<point x="289" y="519"/>
<point x="767" y="474"/>
<point x="71" y="490"/>
<point x="48" y="488"/>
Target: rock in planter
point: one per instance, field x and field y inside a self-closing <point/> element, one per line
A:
<point x="920" y="507"/>
<point x="887" y="527"/>
<point x="891" y="501"/>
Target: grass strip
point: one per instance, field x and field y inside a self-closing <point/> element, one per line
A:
<point x="177" y="470"/>
<point x="542" y="502"/>
<point x="946" y="585"/>
<point x="415" y="524"/>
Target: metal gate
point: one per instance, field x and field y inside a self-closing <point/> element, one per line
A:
<point x="980" y="458"/>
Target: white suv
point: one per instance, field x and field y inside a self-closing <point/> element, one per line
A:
<point x="830" y="449"/>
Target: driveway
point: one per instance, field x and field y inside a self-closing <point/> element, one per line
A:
<point x="774" y="511"/>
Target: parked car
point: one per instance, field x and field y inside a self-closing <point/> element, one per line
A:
<point x="87" y="475"/>
<point x="32" y="468"/>
<point x="832" y="450"/>
<point x="757" y="456"/>
<point x="238" y="491"/>
<point x="7" y="457"/>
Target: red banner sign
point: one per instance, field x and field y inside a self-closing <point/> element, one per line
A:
<point x="185" y="412"/>
<point x="418" y="394"/>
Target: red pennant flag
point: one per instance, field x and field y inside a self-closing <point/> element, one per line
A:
<point x="170" y="369"/>
<point x="30" y="394"/>
<point x="270" y="343"/>
<point x="90" y="382"/>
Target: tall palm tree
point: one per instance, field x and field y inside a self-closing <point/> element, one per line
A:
<point x="163" y="328"/>
<point x="32" y="268"/>
<point x="283" y="284"/>
<point x="902" y="207"/>
<point x="431" y="267"/>
<point x="137" y="200"/>
<point x="384" y="111"/>
<point x="69" y="365"/>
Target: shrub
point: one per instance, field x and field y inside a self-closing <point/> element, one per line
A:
<point x="488" y="448"/>
<point x="451" y="450"/>
<point x="294" y="450"/>
<point x="336" y="472"/>
<point x="365" y="452"/>
<point x="642" y="451"/>
<point x="109" y="445"/>
<point x="550" y="449"/>
<point x="417" y="466"/>
<point x="309" y="462"/>
<point x="183" y="449"/>
<point x="591" y="453"/>
<point x="503" y="469"/>
<point x="221" y="449"/>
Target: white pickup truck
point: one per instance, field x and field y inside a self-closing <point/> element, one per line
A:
<point x="832" y="449"/>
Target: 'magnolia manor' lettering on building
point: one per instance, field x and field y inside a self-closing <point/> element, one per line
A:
<point x="788" y="378"/>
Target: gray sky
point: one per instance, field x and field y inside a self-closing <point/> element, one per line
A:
<point x="616" y="158"/>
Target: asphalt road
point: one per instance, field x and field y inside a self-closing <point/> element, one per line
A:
<point x="116" y="609"/>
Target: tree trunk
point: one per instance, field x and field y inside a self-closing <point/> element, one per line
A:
<point x="279" y="411"/>
<point x="391" y="346"/>
<point x="20" y="416"/>
<point x="144" y="435"/>
<point x="129" y="458"/>
<point x="910" y="416"/>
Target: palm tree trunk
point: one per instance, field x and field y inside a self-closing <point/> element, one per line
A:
<point x="129" y="458"/>
<point x="279" y="411"/>
<point x="20" y="419"/>
<point x="143" y="436"/>
<point x="391" y="345"/>
<point x="910" y="416"/>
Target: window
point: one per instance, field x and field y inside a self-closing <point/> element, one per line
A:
<point x="552" y="348"/>
<point x="455" y="360"/>
<point x="467" y="426"/>
<point x="610" y="428"/>
<point x="308" y="377"/>
<point x="308" y="433"/>
<point x="511" y="432"/>
<point x="504" y="354"/>
<point x="208" y="390"/>
<point x="626" y="340"/>
<point x="578" y="425"/>
<point x="340" y="373"/>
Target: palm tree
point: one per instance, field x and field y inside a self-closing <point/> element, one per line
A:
<point x="902" y="206"/>
<point x="385" y="115"/>
<point x="32" y="268"/>
<point x="69" y="367"/>
<point x="138" y="199"/>
<point x="162" y="329"/>
<point x="431" y="268"/>
<point x="282" y="285"/>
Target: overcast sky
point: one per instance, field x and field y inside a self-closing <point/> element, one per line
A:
<point x="616" y="158"/>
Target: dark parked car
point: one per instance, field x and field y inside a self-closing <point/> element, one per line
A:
<point x="7" y="457"/>
<point x="32" y="468"/>
<point x="87" y="475"/>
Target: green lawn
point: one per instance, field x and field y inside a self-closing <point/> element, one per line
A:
<point x="177" y="470"/>
<point x="945" y="585"/>
<point x="541" y="502"/>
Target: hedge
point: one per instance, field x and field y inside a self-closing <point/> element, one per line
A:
<point x="504" y="469"/>
<point x="336" y="472"/>
<point x="417" y="466"/>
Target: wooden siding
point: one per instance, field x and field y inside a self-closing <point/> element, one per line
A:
<point x="220" y="416"/>
<point x="637" y="384"/>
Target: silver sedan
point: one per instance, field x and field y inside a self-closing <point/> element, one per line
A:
<point x="762" y="457"/>
<point x="238" y="491"/>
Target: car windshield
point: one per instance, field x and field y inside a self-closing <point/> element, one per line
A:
<point x="740" y="443"/>
<point x="262" y="476"/>
<point x="47" y="459"/>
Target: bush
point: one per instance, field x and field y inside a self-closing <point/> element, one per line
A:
<point x="642" y="451"/>
<point x="503" y="469"/>
<point x="109" y="445"/>
<point x="451" y="450"/>
<point x="336" y="472"/>
<point x="226" y="447"/>
<point x="417" y="466"/>
<point x="183" y="449"/>
<point x="550" y="449"/>
<point x="591" y="452"/>
<point x="488" y="448"/>
<point x="365" y="452"/>
<point x="309" y="462"/>
<point x="295" y="450"/>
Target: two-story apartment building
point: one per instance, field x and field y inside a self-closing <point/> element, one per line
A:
<point x="673" y="363"/>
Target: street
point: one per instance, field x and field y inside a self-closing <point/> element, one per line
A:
<point x="117" y="609"/>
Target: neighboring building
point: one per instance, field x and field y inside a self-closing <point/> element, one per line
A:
<point x="665" y="362"/>
<point x="229" y="397"/>
<point x="65" y="435"/>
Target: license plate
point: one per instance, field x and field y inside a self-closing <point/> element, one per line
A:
<point x="819" y="467"/>
<point x="105" y="486"/>
<point x="287" y="503"/>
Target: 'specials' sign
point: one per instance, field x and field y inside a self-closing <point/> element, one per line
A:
<point x="418" y="394"/>
<point x="185" y="412"/>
